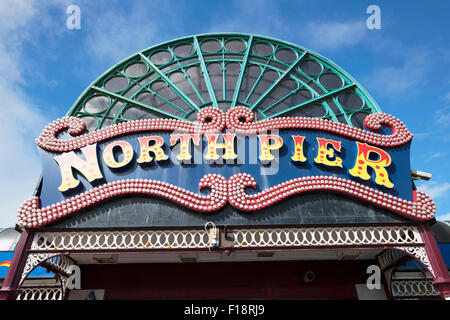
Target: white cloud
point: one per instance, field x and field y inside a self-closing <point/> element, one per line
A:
<point x="436" y="155"/>
<point x="264" y="17"/>
<point x="435" y="189"/>
<point x="447" y="97"/>
<point x="259" y="17"/>
<point x="333" y="35"/>
<point x="409" y="74"/>
<point x="113" y="34"/>
<point x="423" y="135"/>
<point x="443" y="217"/>
<point x="442" y="116"/>
<point x="430" y="156"/>
<point x="21" y="121"/>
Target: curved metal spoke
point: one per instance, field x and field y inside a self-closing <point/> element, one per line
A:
<point x="314" y="100"/>
<point x="205" y="73"/>
<point x="237" y="90"/>
<point x="136" y="103"/>
<point x="278" y="81"/>
<point x="172" y="85"/>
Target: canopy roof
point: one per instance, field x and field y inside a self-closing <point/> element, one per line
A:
<point x="176" y="79"/>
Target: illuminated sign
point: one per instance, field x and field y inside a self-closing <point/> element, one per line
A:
<point x="226" y="153"/>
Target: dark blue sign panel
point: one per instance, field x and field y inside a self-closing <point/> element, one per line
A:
<point x="248" y="150"/>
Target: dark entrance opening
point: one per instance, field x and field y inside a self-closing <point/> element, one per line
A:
<point x="228" y="280"/>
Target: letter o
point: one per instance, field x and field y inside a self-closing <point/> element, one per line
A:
<point x="108" y="154"/>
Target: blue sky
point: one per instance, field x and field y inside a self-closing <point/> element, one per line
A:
<point x="44" y="66"/>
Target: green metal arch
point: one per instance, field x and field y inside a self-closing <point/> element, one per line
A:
<point x="175" y="86"/>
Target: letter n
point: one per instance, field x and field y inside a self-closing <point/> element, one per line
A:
<point x="88" y="168"/>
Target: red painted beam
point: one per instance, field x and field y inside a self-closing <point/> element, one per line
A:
<point x="10" y="288"/>
<point x="442" y="279"/>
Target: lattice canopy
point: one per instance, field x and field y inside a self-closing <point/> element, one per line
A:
<point x="178" y="78"/>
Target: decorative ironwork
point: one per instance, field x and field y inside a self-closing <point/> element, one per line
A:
<point x="41" y="293"/>
<point x="57" y="262"/>
<point x="389" y="258"/>
<point x="176" y="79"/>
<point x="326" y="236"/>
<point x="101" y="240"/>
<point x="414" y="288"/>
<point x="60" y="263"/>
<point x="189" y="239"/>
<point x="420" y="254"/>
<point x="33" y="260"/>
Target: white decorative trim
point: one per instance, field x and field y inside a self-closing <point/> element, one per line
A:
<point x="114" y="240"/>
<point x="420" y="254"/>
<point x="41" y="293"/>
<point x="326" y="236"/>
<point x="194" y="239"/>
<point x="33" y="260"/>
<point x="63" y="281"/>
<point x="57" y="261"/>
<point x="414" y="288"/>
<point x="60" y="263"/>
<point x="388" y="258"/>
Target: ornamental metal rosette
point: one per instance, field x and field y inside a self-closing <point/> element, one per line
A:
<point x="205" y="84"/>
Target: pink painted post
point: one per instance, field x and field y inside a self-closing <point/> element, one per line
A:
<point x="10" y="289"/>
<point x="442" y="279"/>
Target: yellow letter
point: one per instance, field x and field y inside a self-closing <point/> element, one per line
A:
<point x="266" y="155"/>
<point x="145" y="149"/>
<point x="213" y="146"/>
<point x="185" y="147"/>
<point x="88" y="168"/>
<point x="298" y="146"/>
<point x="378" y="166"/>
<point x="323" y="152"/>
